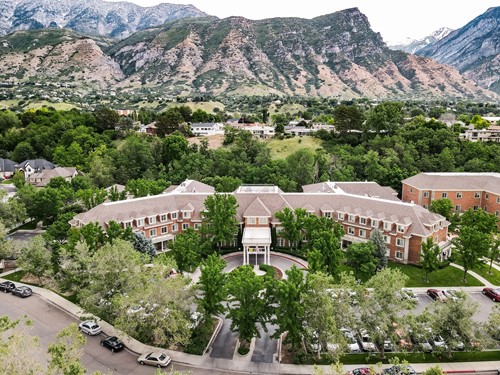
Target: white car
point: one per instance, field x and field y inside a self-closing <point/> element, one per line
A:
<point x="451" y="294"/>
<point x="408" y="294"/>
<point x="90" y="328"/>
<point x="366" y="341"/>
<point x="157" y="359"/>
<point x="352" y="343"/>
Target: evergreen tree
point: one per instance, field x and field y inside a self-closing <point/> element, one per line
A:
<point x="380" y="250"/>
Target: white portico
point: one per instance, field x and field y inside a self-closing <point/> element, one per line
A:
<point x="256" y="241"/>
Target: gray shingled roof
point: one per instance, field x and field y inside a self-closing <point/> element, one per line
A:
<point x="7" y="165"/>
<point x="267" y="204"/>
<point x="456" y="181"/>
<point x="37" y="164"/>
<point x="371" y="189"/>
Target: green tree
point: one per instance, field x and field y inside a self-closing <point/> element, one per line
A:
<point x="46" y="205"/>
<point x="106" y="119"/>
<point x="173" y="148"/>
<point x="35" y="258"/>
<point x="319" y="311"/>
<point x="436" y="370"/>
<point x="383" y="308"/>
<point x="494" y="253"/>
<point x="360" y="257"/>
<point x="471" y="246"/>
<point x="92" y="197"/>
<point x="187" y="249"/>
<point x="300" y="167"/>
<point x="212" y="285"/>
<point x="380" y="249"/>
<point x="169" y="121"/>
<point x="144" y="245"/>
<point x="347" y="117"/>
<point x="219" y="222"/>
<point x="480" y="220"/>
<point x="327" y="243"/>
<point x="443" y="207"/>
<point x="246" y="305"/>
<point x="429" y="257"/>
<point x="66" y="353"/>
<point x="292" y="223"/>
<point x="385" y="117"/>
<point x="289" y="312"/>
<point x="8" y="120"/>
<point x="58" y="230"/>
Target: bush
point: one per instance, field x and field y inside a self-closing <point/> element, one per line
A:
<point x="243" y="351"/>
<point x="269" y="270"/>
<point x="200" y="337"/>
<point x="445" y="263"/>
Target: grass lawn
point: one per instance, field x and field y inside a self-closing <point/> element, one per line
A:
<point x="449" y="276"/>
<point x="482" y="270"/>
<point x="6" y="182"/>
<point x="281" y="148"/>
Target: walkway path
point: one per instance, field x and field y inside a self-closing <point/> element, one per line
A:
<point x="472" y="273"/>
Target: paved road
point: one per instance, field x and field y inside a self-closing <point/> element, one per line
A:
<point x="225" y="343"/>
<point x="265" y="348"/>
<point x="49" y="320"/>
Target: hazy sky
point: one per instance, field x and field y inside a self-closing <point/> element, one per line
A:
<point x="394" y="19"/>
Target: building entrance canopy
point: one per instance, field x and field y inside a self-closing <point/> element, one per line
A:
<point x="256" y="240"/>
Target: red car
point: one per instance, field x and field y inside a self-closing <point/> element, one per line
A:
<point x="360" y="371"/>
<point x="494" y="294"/>
<point x="436" y="295"/>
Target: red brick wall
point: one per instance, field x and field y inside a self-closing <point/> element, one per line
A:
<point x="409" y="194"/>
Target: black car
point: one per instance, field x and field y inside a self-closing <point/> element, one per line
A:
<point x="113" y="343"/>
<point x="7" y="286"/>
<point x="22" y="291"/>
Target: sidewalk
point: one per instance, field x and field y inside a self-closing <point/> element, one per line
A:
<point x="472" y="273"/>
<point x="238" y="363"/>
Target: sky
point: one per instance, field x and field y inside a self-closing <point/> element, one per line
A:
<point x="395" y="20"/>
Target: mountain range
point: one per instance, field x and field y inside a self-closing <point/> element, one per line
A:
<point x="92" y="17"/>
<point x="336" y="55"/>
<point x="473" y="49"/>
<point x="411" y="45"/>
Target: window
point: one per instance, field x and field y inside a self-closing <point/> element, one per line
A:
<point x="328" y="214"/>
<point x="387" y="225"/>
<point x="362" y="220"/>
<point x="262" y="220"/>
<point x="128" y="224"/>
<point x="251" y="220"/>
<point x="164" y="230"/>
<point x="362" y="233"/>
<point x="352" y="218"/>
<point x="459" y="195"/>
<point x="350" y="230"/>
<point x="163" y="217"/>
<point x="140" y="222"/>
<point x="476" y="208"/>
<point x="485" y="208"/>
<point x="444" y="195"/>
<point x="174" y="228"/>
<point x="400" y="242"/>
<point x="401" y="228"/>
<point x="458" y="208"/>
<point x="173" y="215"/>
<point x="387" y="239"/>
<point x="186" y="214"/>
<point x="340" y="215"/>
<point x="152" y="219"/>
<point x="426" y="194"/>
<point x="487" y="196"/>
<point x="411" y="190"/>
<point x="281" y="242"/>
<point x="497" y="213"/>
<point x="498" y="199"/>
<point x="374" y="223"/>
<point x="185" y="226"/>
<point x="399" y="255"/>
<point x="152" y="233"/>
<point x="477" y="195"/>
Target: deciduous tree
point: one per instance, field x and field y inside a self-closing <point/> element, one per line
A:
<point x="429" y="257"/>
<point x="360" y="257"/>
<point x="187" y="249"/>
<point x="212" y="285"/>
<point x="219" y="222"/>
<point x="35" y="258"/>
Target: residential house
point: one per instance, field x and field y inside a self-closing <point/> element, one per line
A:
<point x="465" y="190"/>
<point x="41" y="179"/>
<point x="7" y="168"/>
<point x="207" y="128"/>
<point x="28" y="167"/>
<point x="260" y="131"/>
<point x="491" y="134"/>
<point x="359" y="207"/>
<point x="149" y="129"/>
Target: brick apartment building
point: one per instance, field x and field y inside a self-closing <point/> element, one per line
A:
<point x="358" y="206"/>
<point x="465" y="190"/>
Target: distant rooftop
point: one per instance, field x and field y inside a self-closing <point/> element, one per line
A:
<point x="259" y="189"/>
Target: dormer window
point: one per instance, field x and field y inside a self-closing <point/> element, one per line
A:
<point x="262" y="220"/>
<point x="173" y="215"/>
<point x="328" y="214"/>
<point x="362" y="220"/>
<point x="152" y="220"/>
<point x="401" y="229"/>
<point x="352" y="218"/>
<point x="251" y="220"/>
<point x="140" y="222"/>
<point x="186" y="214"/>
<point x="163" y="218"/>
<point x="375" y="223"/>
<point x="387" y="225"/>
<point x="340" y="215"/>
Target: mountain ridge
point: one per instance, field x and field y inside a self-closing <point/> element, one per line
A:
<point x="414" y="45"/>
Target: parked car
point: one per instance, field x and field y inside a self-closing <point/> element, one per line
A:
<point x="90" y="328"/>
<point x="438" y="342"/>
<point x="7" y="286"/>
<point x="436" y="295"/>
<point x="113" y="343"/>
<point x="352" y="343"/>
<point x="388" y="346"/>
<point x="451" y="294"/>
<point x="408" y="294"/>
<point x="157" y="359"/>
<point x="195" y="319"/>
<point x="366" y="342"/>
<point x="22" y="291"/>
<point x="399" y="370"/>
<point x="360" y="371"/>
<point x="493" y="293"/>
<point x="422" y="343"/>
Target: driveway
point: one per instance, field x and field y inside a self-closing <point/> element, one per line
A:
<point x="224" y="344"/>
<point x="49" y="320"/>
<point x="265" y="347"/>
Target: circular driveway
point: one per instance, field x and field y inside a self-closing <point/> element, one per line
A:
<point x="279" y="260"/>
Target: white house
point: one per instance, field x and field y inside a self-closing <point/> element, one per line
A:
<point x="207" y="128"/>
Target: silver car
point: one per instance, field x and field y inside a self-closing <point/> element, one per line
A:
<point x="90" y="328"/>
<point x="157" y="359"/>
